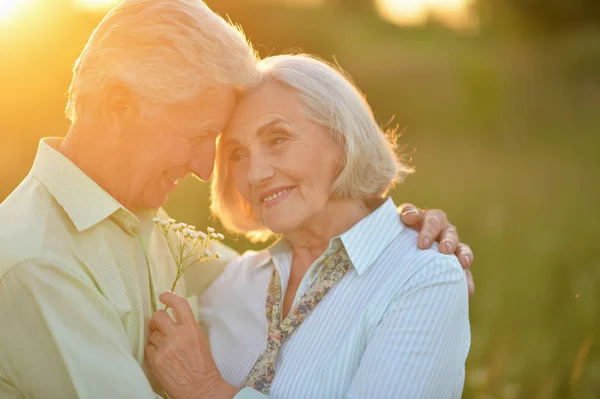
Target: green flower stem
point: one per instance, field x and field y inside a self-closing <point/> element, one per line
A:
<point x="191" y="249"/>
<point x="174" y="284"/>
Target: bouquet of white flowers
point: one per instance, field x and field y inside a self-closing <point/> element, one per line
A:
<point x="188" y="246"/>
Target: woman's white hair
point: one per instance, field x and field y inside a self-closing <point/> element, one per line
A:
<point x="164" y="51"/>
<point x="371" y="164"/>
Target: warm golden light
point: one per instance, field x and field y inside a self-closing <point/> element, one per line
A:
<point x="403" y="12"/>
<point x="8" y="8"/>
<point x="454" y="13"/>
<point x="96" y="5"/>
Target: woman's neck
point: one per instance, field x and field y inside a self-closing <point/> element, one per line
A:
<point x="312" y="239"/>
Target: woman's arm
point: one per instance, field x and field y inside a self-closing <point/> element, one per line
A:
<point x="420" y="347"/>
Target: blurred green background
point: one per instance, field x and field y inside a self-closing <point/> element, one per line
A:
<point x="500" y="111"/>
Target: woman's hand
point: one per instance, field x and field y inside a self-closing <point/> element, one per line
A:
<point x="433" y="225"/>
<point x="179" y="355"/>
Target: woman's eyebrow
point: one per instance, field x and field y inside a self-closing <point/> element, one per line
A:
<point x="269" y="124"/>
<point x="262" y="131"/>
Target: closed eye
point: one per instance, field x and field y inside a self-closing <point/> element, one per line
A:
<point x="236" y="154"/>
<point x="277" y="138"/>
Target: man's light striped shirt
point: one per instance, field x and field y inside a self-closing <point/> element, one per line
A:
<point x="79" y="275"/>
<point x="395" y="326"/>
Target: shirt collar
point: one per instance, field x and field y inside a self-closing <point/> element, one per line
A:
<point x="367" y="239"/>
<point x="86" y="203"/>
<point x="364" y="241"/>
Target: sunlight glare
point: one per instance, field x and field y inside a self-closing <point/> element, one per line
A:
<point x="96" y="5"/>
<point x="8" y="8"/>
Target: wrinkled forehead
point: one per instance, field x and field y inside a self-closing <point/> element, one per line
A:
<point x="210" y="110"/>
<point x="271" y="101"/>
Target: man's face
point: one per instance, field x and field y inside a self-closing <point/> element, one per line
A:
<point x="178" y="141"/>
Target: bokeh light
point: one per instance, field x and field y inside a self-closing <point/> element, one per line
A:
<point x="404" y="12"/>
<point x="95" y="5"/>
<point x="453" y="13"/>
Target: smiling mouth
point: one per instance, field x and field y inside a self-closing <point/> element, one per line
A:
<point x="270" y="198"/>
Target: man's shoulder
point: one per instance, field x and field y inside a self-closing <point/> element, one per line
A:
<point x="30" y="222"/>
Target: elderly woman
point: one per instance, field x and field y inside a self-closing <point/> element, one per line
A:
<point x="344" y="304"/>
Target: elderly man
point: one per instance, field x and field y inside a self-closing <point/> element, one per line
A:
<point x="80" y="261"/>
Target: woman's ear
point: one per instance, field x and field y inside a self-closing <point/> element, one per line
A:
<point x="121" y="108"/>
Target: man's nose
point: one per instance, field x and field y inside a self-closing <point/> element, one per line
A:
<point x="202" y="161"/>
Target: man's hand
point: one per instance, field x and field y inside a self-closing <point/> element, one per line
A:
<point x="433" y="225"/>
<point x="179" y="355"/>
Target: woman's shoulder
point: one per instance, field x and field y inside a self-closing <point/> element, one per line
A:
<point x="429" y="265"/>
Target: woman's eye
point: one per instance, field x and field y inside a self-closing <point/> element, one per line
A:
<point x="277" y="140"/>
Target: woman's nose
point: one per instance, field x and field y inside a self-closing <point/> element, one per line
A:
<point x="260" y="169"/>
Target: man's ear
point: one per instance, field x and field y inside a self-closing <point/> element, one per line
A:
<point x="121" y="108"/>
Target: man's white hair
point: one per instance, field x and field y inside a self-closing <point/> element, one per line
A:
<point x="330" y="99"/>
<point x="164" y="51"/>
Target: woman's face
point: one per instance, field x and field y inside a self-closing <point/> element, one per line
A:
<point x="282" y="163"/>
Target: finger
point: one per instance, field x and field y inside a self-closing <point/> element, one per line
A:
<point x="162" y="322"/>
<point x="150" y="351"/>
<point x="434" y="221"/>
<point x="465" y="255"/>
<point x="181" y="307"/>
<point x="448" y="240"/>
<point x="157" y="339"/>
<point x="470" y="282"/>
<point x="410" y="214"/>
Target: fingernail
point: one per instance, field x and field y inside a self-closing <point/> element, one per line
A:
<point x="467" y="259"/>
<point x="449" y="247"/>
<point x="426" y="242"/>
<point x="409" y="211"/>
